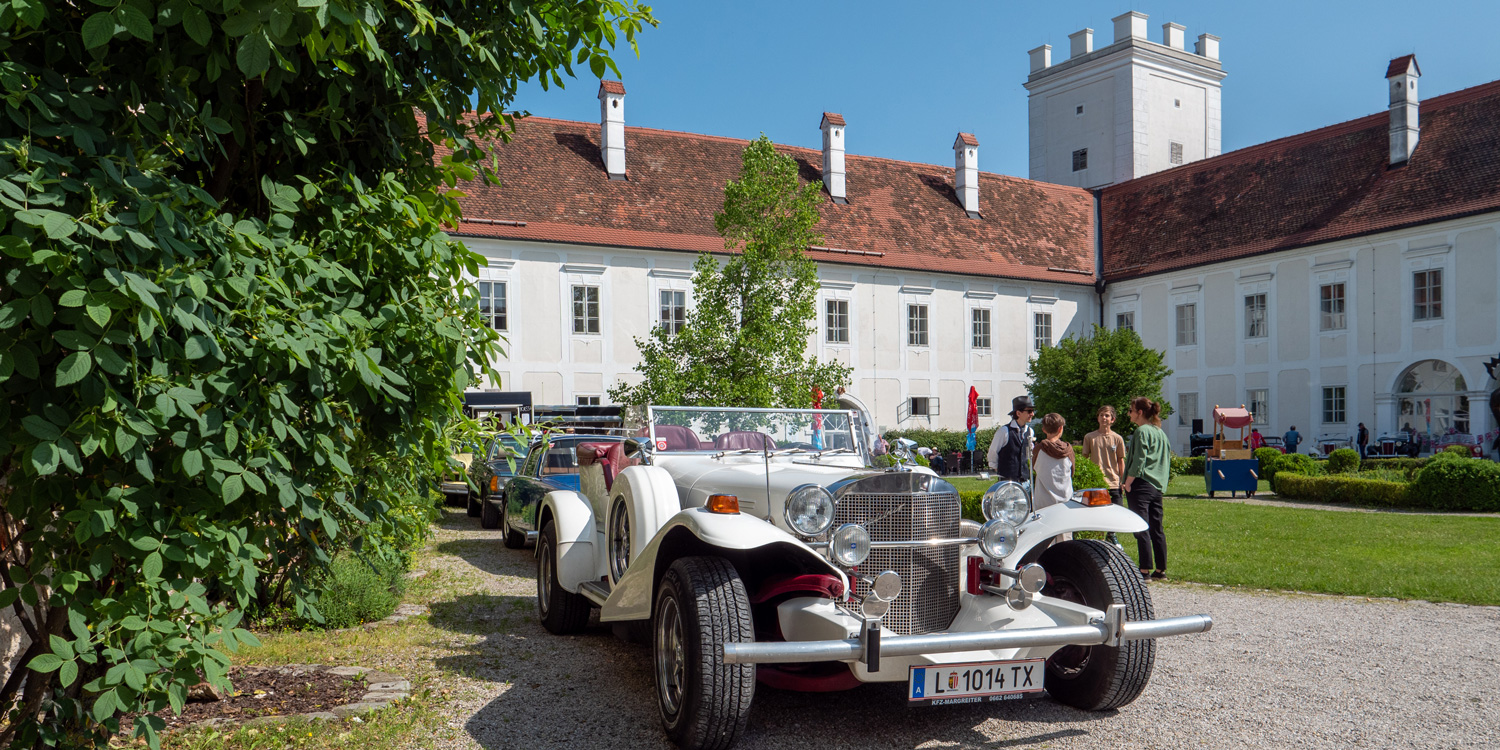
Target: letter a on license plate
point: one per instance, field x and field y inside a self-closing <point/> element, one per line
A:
<point x="975" y="682"/>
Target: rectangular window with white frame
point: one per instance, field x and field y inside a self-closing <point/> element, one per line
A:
<point x="1255" y="316"/>
<point x="492" y="304"/>
<point x="1187" y="325"/>
<point x="585" y="309"/>
<point x="1042" y="330"/>
<point x="836" y="321"/>
<point x="1260" y="405"/>
<point x="1187" y="408"/>
<point x="672" y="312"/>
<point x="1125" y="321"/>
<point x="984" y="406"/>
<point x="1427" y="295"/>
<point x="981" y="327"/>
<point x="587" y="401"/>
<point x="1333" y="404"/>
<point x="923" y="406"/>
<point x="916" y="325"/>
<point x="1331" y="307"/>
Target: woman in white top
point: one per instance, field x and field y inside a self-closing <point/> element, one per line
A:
<point x="1053" y="459"/>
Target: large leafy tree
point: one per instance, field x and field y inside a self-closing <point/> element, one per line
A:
<point x="1079" y="375"/>
<point x="232" y="331"/>
<point x="745" y="341"/>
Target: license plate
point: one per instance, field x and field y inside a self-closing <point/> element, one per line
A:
<point x="976" y="682"/>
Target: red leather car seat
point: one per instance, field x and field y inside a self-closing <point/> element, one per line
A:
<point x="670" y="437"/>
<point x="743" y="439"/>
<point x="610" y="457"/>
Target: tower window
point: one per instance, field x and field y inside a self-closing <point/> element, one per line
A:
<point x="1176" y="149"/>
<point x="1078" y="110"/>
<point x="1177" y="103"/>
<point x="1080" y="160"/>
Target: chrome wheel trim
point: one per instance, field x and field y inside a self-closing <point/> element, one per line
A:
<point x="671" y="657"/>
<point x="619" y="539"/>
<point x="544" y="579"/>
<point x="1068" y="661"/>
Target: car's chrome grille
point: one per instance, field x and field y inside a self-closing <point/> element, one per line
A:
<point x="929" y="577"/>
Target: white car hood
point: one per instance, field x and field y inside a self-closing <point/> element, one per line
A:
<point x="761" y="488"/>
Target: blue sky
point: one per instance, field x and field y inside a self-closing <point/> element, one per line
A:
<point x="909" y="75"/>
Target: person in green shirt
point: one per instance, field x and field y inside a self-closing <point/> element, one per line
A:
<point x="1148" y="467"/>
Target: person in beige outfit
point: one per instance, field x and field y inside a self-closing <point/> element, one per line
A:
<point x="1106" y="448"/>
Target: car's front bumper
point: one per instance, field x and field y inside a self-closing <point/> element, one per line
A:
<point x="457" y="489"/>
<point x="978" y="633"/>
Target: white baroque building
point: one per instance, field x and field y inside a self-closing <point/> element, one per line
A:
<point x="1340" y="276"/>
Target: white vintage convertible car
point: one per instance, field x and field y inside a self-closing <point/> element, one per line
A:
<point x="761" y="545"/>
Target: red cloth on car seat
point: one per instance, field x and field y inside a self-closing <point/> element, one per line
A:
<point x="742" y="439"/>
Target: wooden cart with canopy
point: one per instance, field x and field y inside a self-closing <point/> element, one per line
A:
<point x="1231" y="466"/>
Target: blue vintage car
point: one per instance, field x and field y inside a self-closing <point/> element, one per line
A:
<point x="550" y="465"/>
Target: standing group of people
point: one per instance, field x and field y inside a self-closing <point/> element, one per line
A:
<point x="1137" y="470"/>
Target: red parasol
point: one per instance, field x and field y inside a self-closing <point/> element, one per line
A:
<point x="973" y="421"/>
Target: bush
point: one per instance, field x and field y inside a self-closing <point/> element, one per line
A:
<point x="972" y="509"/>
<point x="1408" y="465"/>
<point x="1087" y="474"/>
<point x="1459" y="484"/>
<point x="946" y="441"/>
<point x="356" y="590"/>
<point x="1342" y="488"/>
<point x="1298" y="462"/>
<point x="1265" y="456"/>
<point x="1462" y="451"/>
<point x="1343" y="461"/>
<point x="1192" y="466"/>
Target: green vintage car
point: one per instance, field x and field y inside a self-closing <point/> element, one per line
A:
<point x="489" y="470"/>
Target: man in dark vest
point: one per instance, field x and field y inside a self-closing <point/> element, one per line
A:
<point x="1010" y="449"/>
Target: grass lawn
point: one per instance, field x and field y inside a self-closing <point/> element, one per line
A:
<point x="1434" y="557"/>
<point x="1439" y="558"/>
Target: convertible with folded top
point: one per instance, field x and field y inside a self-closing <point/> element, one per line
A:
<point x="760" y="545"/>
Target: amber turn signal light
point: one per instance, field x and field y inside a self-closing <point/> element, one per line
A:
<point x="723" y="504"/>
<point x="1095" y="498"/>
<point x="494" y="484"/>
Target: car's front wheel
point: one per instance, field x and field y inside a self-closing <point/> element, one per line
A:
<point x="561" y="611"/>
<point x="700" y="605"/>
<point x="513" y="539"/>
<point x="472" y="503"/>
<point x="489" y="513"/>
<point x="1095" y="574"/>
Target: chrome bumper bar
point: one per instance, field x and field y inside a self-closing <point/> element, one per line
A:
<point x="1110" y="630"/>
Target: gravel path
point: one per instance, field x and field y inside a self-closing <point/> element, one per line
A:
<point x="1277" y="671"/>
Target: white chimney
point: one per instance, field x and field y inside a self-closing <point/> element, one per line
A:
<point x="1041" y="58"/>
<point x="966" y="172"/>
<point x="832" y="126"/>
<point x="1207" y="46"/>
<point x="1130" y="25"/>
<point x="612" y="128"/>
<point x="1402" y="75"/>
<point x="1082" y="43"/>
<point x="1172" y="35"/>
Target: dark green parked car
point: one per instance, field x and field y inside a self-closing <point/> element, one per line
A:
<point x="489" y="470"/>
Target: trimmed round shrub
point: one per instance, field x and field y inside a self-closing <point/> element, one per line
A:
<point x="1459" y="484"/>
<point x="1265" y="456"/>
<point x="1343" y="461"/>
<point x="1087" y="474"/>
<point x="1462" y="451"/>
<point x="1297" y="462"/>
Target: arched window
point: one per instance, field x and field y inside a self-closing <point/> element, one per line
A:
<point x="1434" y="398"/>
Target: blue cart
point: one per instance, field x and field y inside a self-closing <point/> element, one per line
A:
<point x="1231" y="475"/>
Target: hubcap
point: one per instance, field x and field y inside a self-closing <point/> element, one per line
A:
<point x="544" y="578"/>
<point x="619" y="540"/>
<point x="671" y="657"/>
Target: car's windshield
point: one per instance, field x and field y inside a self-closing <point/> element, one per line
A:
<point x="675" y="428"/>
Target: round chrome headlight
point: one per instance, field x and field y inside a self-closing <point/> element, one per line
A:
<point x="851" y="545"/>
<point x="1007" y="502"/>
<point x="997" y="538"/>
<point x="809" y="510"/>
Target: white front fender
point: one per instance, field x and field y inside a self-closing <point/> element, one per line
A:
<point x="650" y="499"/>
<point x="632" y="596"/>
<point x="1065" y="518"/>
<point x="573" y="517"/>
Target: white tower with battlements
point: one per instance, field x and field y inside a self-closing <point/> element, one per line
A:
<point x="1125" y="110"/>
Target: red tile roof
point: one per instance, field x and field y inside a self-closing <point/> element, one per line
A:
<point x="1400" y="64"/>
<point x="1307" y="189"/>
<point x="833" y="118"/>
<point x="611" y="87"/>
<point x="968" y="139"/>
<point x="899" y="215"/>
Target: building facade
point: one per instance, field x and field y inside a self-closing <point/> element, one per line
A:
<point x="1335" y="277"/>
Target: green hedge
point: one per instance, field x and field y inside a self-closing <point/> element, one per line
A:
<point x="1298" y="462"/>
<point x="1266" y="456"/>
<point x="1343" y="461"/>
<point x="1086" y="475"/>
<point x="946" y="441"/>
<point x="1341" y="488"/>
<point x="1462" y="451"/>
<point x="1190" y="466"/>
<point x="1459" y="484"/>
<point x="1408" y="465"/>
